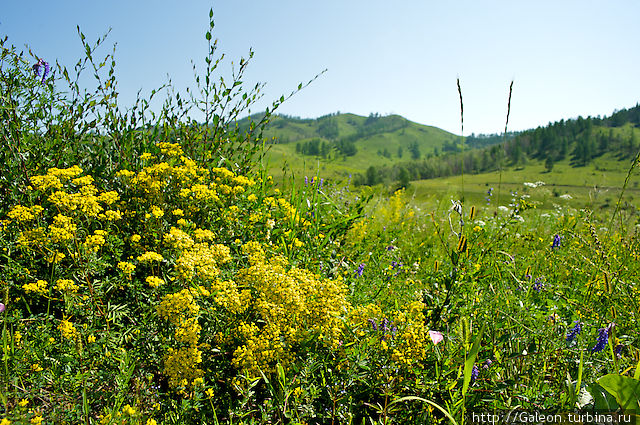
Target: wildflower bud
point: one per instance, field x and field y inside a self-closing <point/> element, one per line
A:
<point x="474" y="374"/>
<point x="575" y="331"/>
<point x="601" y="342"/>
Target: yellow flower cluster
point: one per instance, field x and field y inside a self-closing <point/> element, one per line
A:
<point x="150" y="256"/>
<point x="200" y="193"/>
<point x="170" y="149"/>
<point x="56" y="257"/>
<point x="294" y="303"/>
<point x="39" y="287"/>
<point x="62" y="229"/>
<point x="44" y="183"/>
<point x="202" y="261"/>
<point x="410" y="348"/>
<point x="359" y="317"/>
<point x="22" y="214"/>
<point x="154" y="281"/>
<point x="93" y="242"/>
<point x="178" y="239"/>
<point x="109" y="198"/>
<point x="182" y="364"/>
<point x="67" y="330"/>
<point x="203" y="234"/>
<point x="126" y="267"/>
<point x="83" y="181"/>
<point x="110" y="215"/>
<point x="85" y="200"/>
<point x="66" y="285"/>
<point x="156" y="211"/>
<point x="227" y="295"/>
<point x="64" y="174"/>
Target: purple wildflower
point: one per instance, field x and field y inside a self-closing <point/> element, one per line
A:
<point x="601" y="342"/>
<point x="538" y="284"/>
<point x="618" y="350"/>
<point x="395" y="264"/>
<point x="321" y="182"/>
<point x="487" y="364"/>
<point x="373" y="324"/>
<point x="306" y="181"/>
<point x="575" y="331"/>
<point x="38" y="65"/>
<point x="2" y="307"/>
<point x="391" y="248"/>
<point x="384" y="325"/>
<point x="557" y="239"/>
<point x="474" y="374"/>
<point x="46" y="71"/>
<point x="360" y="269"/>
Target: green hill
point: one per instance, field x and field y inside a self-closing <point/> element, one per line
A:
<point x="339" y="145"/>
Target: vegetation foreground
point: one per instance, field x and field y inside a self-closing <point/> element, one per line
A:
<point x="152" y="274"/>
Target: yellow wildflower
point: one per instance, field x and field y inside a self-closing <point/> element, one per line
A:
<point x="154" y="281"/>
<point x="67" y="329"/>
<point x="150" y="256"/>
<point x="126" y="267"/>
<point x="66" y="285"/>
<point x="39" y="287"/>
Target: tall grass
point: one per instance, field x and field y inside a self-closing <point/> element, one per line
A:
<point x="152" y="273"/>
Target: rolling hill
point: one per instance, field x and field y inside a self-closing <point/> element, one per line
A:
<point x="339" y="145"/>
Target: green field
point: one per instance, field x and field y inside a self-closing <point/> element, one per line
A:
<point x="154" y="273"/>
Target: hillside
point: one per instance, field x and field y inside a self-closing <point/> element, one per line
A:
<point x="568" y="144"/>
<point x="339" y="145"/>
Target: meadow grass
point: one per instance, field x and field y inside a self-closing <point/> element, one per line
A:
<point x="162" y="282"/>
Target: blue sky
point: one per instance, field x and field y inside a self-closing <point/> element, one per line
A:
<point x="567" y="58"/>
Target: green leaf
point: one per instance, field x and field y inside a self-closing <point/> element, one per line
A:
<point x="471" y="359"/>
<point x="625" y="390"/>
<point x="602" y="400"/>
<point x="208" y="36"/>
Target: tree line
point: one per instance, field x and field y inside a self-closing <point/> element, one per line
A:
<point x="580" y="140"/>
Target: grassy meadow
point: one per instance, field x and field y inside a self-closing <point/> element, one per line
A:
<point x="153" y="271"/>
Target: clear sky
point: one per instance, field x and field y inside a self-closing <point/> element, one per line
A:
<point x="567" y="58"/>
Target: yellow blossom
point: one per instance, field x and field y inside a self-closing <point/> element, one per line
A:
<point x="66" y="285"/>
<point x="39" y="287"/>
<point x="154" y="281"/>
<point x="157" y="211"/>
<point x="126" y="267"/>
<point x="150" y="256"/>
<point x="128" y="410"/>
<point x="67" y="329"/>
